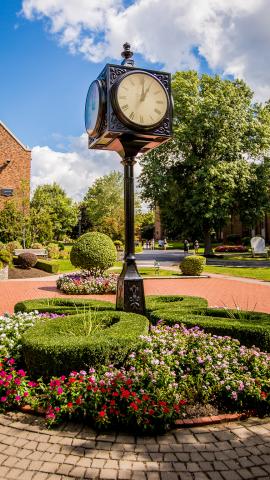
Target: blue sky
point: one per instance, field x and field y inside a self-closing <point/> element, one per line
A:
<point x="51" y="50"/>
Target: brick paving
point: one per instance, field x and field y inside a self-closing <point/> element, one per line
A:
<point x="235" y="451"/>
<point x="219" y="291"/>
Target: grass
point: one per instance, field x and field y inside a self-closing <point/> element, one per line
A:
<point x="258" y="273"/>
<point x="150" y="272"/>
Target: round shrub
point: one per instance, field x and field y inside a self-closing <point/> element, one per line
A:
<point x="62" y="305"/>
<point x="94" y="252"/>
<point x="53" y="251"/>
<point x="192" y="265"/>
<point x="36" y="245"/>
<point x="14" y="245"/>
<point x="27" y="260"/>
<point x="77" y="342"/>
<point x="246" y="241"/>
<point x="234" y="238"/>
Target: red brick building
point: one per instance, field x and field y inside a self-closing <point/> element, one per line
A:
<point x="15" y="165"/>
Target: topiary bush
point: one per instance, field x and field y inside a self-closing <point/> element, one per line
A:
<point x="27" y="260"/>
<point x="192" y="265"/>
<point x="77" y="342"/>
<point x="94" y="252"/>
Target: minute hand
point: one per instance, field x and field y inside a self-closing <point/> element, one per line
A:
<point x="145" y="92"/>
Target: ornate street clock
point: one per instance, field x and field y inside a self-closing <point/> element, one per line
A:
<point x="129" y="110"/>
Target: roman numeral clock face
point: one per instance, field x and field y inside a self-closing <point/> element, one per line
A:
<point x="140" y="100"/>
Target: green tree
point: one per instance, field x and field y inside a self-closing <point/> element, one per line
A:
<point x="197" y="177"/>
<point x="41" y="228"/>
<point x="104" y="205"/>
<point x="61" y="209"/>
<point x="11" y="223"/>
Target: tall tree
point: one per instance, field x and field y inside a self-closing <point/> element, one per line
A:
<point x="218" y="132"/>
<point x="61" y="209"/>
<point x="11" y="223"/>
<point x="104" y="205"/>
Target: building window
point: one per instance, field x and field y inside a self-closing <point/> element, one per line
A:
<point x="6" y="192"/>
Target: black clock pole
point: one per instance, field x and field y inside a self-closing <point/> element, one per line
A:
<point x="130" y="291"/>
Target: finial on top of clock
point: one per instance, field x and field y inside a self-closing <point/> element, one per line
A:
<point x="127" y="54"/>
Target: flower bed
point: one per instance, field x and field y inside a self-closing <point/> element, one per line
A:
<point x="84" y="284"/>
<point x="172" y="367"/>
<point x="231" y="248"/>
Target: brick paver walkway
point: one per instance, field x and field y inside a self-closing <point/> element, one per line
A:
<point x="219" y="291"/>
<point x="236" y="451"/>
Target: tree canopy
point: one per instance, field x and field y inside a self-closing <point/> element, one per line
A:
<point x="215" y="162"/>
<point x="62" y="211"/>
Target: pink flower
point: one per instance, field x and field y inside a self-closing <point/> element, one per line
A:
<point x="17" y="398"/>
<point x="25" y="394"/>
<point x="3" y="399"/>
<point x="59" y="390"/>
<point x="21" y="373"/>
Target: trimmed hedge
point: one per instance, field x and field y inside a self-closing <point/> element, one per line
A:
<point x="174" y="302"/>
<point x="48" y="266"/>
<point x="192" y="265"/>
<point x="250" y="328"/>
<point x="62" y="305"/>
<point x="77" y="342"/>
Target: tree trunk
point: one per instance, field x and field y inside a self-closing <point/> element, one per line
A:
<point x="207" y="242"/>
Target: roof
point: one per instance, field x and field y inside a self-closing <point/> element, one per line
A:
<point x="15" y="138"/>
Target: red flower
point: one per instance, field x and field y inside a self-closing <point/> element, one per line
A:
<point x="79" y="400"/>
<point x="70" y="405"/>
<point x="102" y="413"/>
<point x="151" y="411"/>
<point x="162" y="404"/>
<point x="182" y="402"/>
<point x="166" y="410"/>
<point x="145" y="397"/>
<point x="125" y="394"/>
<point x="134" y="406"/>
<point x="115" y="394"/>
<point x="264" y="395"/>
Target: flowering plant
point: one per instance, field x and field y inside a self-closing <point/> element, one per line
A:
<point x="14" y="385"/>
<point x="85" y="284"/>
<point x="231" y="248"/>
<point x="12" y="328"/>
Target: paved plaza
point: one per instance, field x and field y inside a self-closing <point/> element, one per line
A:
<point x="232" y="451"/>
<point x="231" y="292"/>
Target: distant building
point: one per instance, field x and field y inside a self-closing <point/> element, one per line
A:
<point x="15" y="165"/>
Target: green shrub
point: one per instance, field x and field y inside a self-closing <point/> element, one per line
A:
<point x="192" y="265"/>
<point x="14" y="245"/>
<point x="47" y="266"/>
<point x="94" y="252"/>
<point x="233" y="238"/>
<point x="27" y="260"/>
<point x="118" y="244"/>
<point x="64" y="254"/>
<point x="250" y="328"/>
<point x="5" y="256"/>
<point x="36" y="245"/>
<point x="62" y="305"/>
<point x="246" y="241"/>
<point x="53" y="251"/>
<point x="77" y="342"/>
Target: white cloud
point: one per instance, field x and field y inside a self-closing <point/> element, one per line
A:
<point x="75" y="170"/>
<point x="233" y="35"/>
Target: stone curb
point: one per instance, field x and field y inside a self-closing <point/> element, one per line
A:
<point x="183" y="423"/>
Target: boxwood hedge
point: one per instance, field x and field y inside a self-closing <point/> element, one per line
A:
<point x="250" y="328"/>
<point x="62" y="305"/>
<point x="77" y="342"/>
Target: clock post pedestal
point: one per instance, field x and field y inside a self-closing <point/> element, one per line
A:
<point x="130" y="291"/>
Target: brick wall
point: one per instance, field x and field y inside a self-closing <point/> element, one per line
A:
<point x="16" y="173"/>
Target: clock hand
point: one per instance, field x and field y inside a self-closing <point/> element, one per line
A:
<point x="143" y="92"/>
<point x="146" y="91"/>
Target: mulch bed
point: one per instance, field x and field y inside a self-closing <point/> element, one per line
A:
<point x="20" y="273"/>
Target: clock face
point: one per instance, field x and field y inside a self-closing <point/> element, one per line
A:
<point x="141" y="100"/>
<point x="93" y="108"/>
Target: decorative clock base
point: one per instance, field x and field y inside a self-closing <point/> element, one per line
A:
<point x="130" y="291"/>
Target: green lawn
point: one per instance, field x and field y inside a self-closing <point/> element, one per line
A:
<point x="150" y="272"/>
<point x="258" y="273"/>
